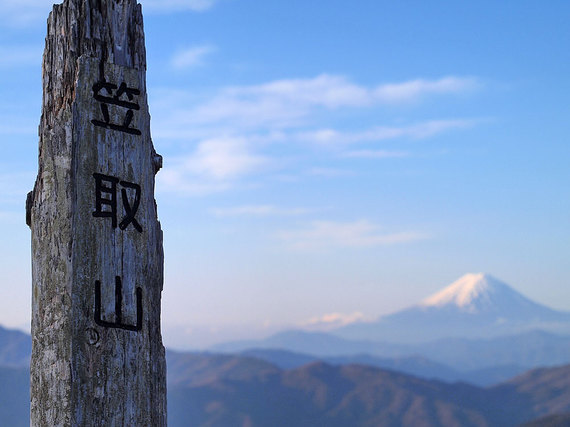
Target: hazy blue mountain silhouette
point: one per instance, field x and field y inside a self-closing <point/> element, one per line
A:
<point x="235" y="390"/>
<point x="530" y="349"/>
<point x="15" y="348"/>
<point x="314" y="343"/>
<point x="418" y="366"/>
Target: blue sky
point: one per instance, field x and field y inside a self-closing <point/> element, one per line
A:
<point x="327" y="162"/>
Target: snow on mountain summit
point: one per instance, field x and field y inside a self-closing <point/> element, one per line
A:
<point x="473" y="293"/>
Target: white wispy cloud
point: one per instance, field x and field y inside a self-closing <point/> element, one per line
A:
<point x="356" y="234"/>
<point x="235" y="128"/>
<point x="415" y="89"/>
<point x="192" y="57"/>
<point x="213" y="166"/>
<point x="178" y="181"/>
<point x="260" y="210"/>
<point x="330" y="321"/>
<point x="416" y="131"/>
<point x="223" y="158"/>
<point x="288" y="103"/>
<point x="217" y="163"/>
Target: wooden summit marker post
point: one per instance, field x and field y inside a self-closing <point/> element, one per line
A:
<point x="97" y="260"/>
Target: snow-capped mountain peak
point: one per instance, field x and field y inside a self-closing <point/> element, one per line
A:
<point x="475" y="306"/>
<point x="471" y="292"/>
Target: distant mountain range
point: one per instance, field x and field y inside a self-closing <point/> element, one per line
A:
<point x="417" y="366"/>
<point x="531" y="349"/>
<point x="228" y="390"/>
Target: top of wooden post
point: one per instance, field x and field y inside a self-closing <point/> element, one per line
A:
<point x="111" y="30"/>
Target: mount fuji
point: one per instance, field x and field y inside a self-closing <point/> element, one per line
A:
<point x="475" y="306"/>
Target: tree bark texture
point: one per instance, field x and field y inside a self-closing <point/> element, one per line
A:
<point x="97" y="259"/>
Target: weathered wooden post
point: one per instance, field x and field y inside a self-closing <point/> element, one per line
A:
<point x="97" y="259"/>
